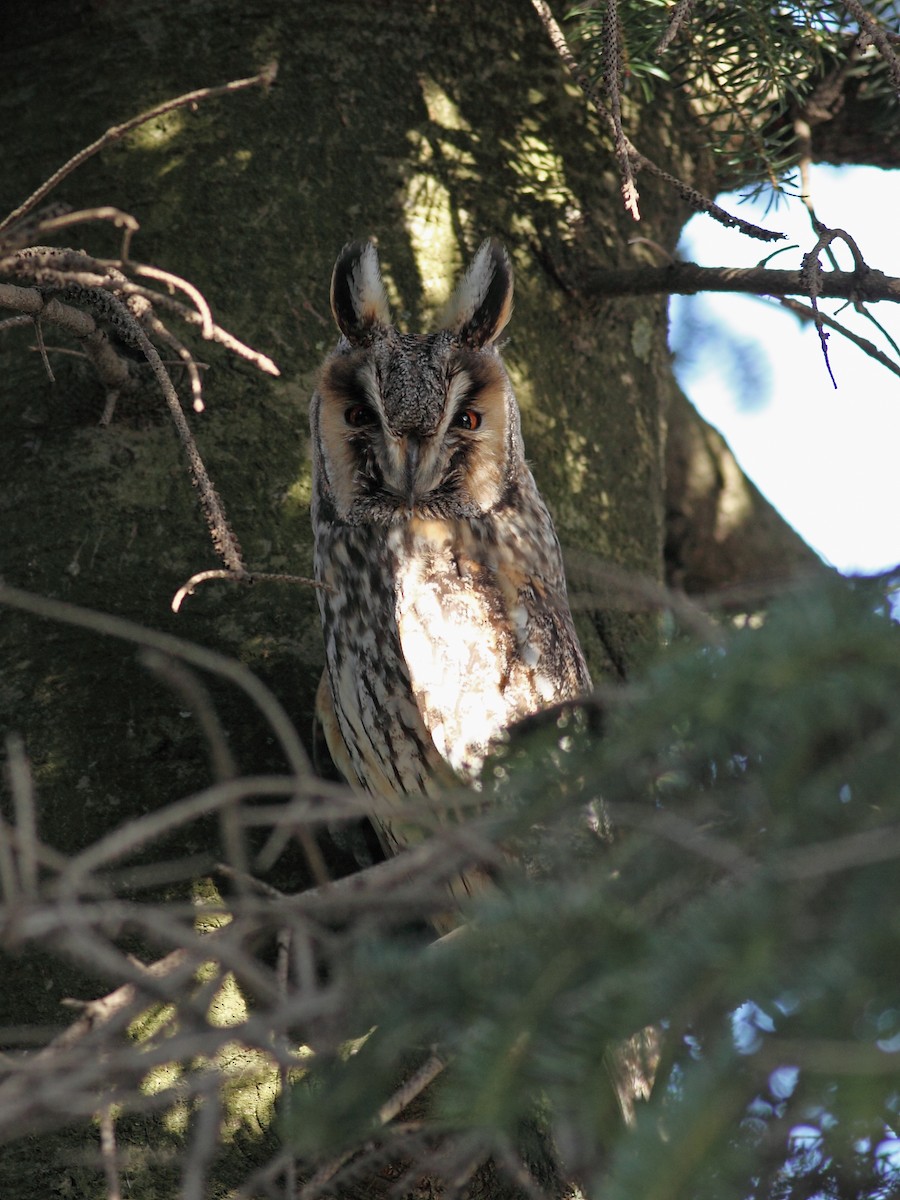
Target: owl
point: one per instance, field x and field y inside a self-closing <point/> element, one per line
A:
<point x="443" y="599"/>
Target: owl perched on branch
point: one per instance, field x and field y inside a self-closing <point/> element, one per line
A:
<point x="444" y="602"/>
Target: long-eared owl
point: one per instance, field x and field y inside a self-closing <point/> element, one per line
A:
<point x="443" y="600"/>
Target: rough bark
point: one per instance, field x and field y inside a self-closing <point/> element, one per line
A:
<point x="721" y="532"/>
<point x="427" y="126"/>
<point x="852" y="121"/>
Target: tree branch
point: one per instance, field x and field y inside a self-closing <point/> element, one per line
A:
<point x="687" y="279"/>
<point x="821" y="319"/>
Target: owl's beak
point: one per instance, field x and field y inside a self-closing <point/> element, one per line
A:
<point x="413" y="446"/>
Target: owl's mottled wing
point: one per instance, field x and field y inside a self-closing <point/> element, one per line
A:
<point x="391" y="757"/>
<point x="326" y="724"/>
<point x="393" y="835"/>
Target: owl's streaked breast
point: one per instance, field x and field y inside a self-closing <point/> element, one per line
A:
<point x="470" y="630"/>
<point x="386" y="741"/>
<point x="439" y="638"/>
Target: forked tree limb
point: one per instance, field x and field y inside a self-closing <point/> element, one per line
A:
<point x="821" y="319"/>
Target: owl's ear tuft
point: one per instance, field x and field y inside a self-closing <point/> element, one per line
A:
<point x="482" y="304"/>
<point x="358" y="299"/>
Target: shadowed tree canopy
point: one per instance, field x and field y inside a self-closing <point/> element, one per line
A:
<point x="428" y="127"/>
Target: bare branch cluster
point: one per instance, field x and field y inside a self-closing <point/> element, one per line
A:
<point x="104" y="305"/>
<point x="207" y="1015"/>
<point x="81" y="906"/>
<point x="18" y="216"/>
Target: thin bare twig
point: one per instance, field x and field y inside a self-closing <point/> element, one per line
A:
<point x="405" y="1094"/>
<point x="840" y="854"/>
<point x="109" y="406"/>
<point x="164" y="335"/>
<point x="307" y="982"/>
<point x="891" y="341"/>
<point x="203" y="1143"/>
<point x="15" y="322"/>
<point x="224" y="338"/>
<point x="10" y="888"/>
<point x="412" y="1087"/>
<point x="189" y="99"/>
<point x="109" y="1154"/>
<point x="188" y="588"/>
<point x="224" y="540"/>
<point x="703" y="204"/>
<point x="188" y="686"/>
<point x="811" y="276"/>
<point x="114" y="216"/>
<point x="175" y="281"/>
<point x="150" y="827"/>
<point x="42" y="349"/>
<point x="22" y="788"/>
<point x="265" y="1177"/>
<point x="820" y="318"/>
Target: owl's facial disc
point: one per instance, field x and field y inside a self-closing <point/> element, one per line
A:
<point x="421" y="429"/>
<point x="455" y="466"/>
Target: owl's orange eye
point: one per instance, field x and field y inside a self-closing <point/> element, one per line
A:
<point x="469" y="418"/>
<point x="358" y="415"/>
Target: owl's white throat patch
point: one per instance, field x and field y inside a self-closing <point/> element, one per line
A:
<point x="450" y="636"/>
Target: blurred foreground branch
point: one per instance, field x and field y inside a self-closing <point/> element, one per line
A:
<point x="697" y="849"/>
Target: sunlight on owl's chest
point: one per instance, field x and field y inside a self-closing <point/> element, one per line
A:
<point x="464" y="636"/>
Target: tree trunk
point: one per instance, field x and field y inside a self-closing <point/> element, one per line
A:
<point x="427" y="126"/>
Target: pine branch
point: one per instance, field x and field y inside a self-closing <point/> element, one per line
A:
<point x="871" y="31"/>
<point x="679" y="17"/>
<point x="629" y="157"/>
<point x="612" y="73"/>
